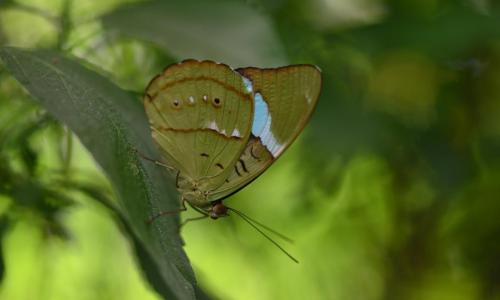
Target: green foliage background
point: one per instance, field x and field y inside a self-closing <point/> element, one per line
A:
<point x="391" y="192"/>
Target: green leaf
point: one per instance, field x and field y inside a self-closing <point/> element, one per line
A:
<point x="220" y="30"/>
<point x="112" y="125"/>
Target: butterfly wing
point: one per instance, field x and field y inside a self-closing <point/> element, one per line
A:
<point x="284" y="101"/>
<point x="200" y="114"/>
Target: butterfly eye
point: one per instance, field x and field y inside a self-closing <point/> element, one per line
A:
<point x="175" y="103"/>
<point x="217" y="102"/>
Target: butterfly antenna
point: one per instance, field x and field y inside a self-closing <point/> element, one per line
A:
<point x="250" y="221"/>
<point x="280" y="235"/>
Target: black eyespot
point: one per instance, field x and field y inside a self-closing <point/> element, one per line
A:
<point x="217" y="102"/>
<point x="175" y="103"/>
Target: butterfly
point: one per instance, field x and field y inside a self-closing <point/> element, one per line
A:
<point x="218" y="129"/>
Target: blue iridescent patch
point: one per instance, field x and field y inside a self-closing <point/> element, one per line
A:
<point x="260" y="116"/>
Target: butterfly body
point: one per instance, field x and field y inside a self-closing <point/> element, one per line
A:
<point x="218" y="129"/>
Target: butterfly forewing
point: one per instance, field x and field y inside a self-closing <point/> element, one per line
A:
<point x="200" y="115"/>
<point x="284" y="100"/>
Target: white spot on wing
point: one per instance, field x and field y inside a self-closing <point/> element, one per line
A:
<point x="191" y="99"/>
<point x="205" y="98"/>
<point x="236" y="133"/>
<point x="248" y="84"/>
<point x="269" y="140"/>
<point x="213" y="125"/>
<point x="308" y="98"/>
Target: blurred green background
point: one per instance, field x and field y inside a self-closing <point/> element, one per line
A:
<point x="392" y="191"/>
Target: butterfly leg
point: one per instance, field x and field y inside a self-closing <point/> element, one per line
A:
<point x="169" y="212"/>
<point x="157" y="162"/>
<point x="161" y="164"/>
<point x="198" y="210"/>
<point x="192" y="219"/>
<point x="204" y="216"/>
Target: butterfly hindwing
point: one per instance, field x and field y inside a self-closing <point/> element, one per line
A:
<point x="200" y="114"/>
<point x="284" y="99"/>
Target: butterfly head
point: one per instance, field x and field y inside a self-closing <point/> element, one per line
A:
<point x="218" y="210"/>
